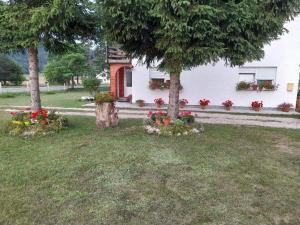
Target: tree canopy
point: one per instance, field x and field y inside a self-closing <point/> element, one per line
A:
<point x="10" y="71"/>
<point x="61" y="69"/>
<point x="186" y="33"/>
<point x="53" y="23"/>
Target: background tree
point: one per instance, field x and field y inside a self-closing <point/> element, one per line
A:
<point x="27" y="24"/>
<point x="181" y="34"/>
<point x="10" y="71"/>
<point x="63" y="68"/>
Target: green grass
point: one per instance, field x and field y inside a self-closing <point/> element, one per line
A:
<point x="68" y="99"/>
<point x="228" y="175"/>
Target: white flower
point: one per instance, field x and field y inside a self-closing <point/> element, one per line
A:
<point x="186" y="133"/>
<point x="179" y="134"/>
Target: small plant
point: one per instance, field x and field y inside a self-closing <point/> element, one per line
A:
<point x="243" y="86"/>
<point x="257" y="105"/>
<point x="91" y="84"/>
<point x="254" y="87"/>
<point x="101" y="98"/>
<point x="228" y="104"/>
<point x="159" y="102"/>
<point x="183" y="102"/>
<point x="140" y="102"/>
<point x="285" y="107"/>
<point x="186" y="117"/>
<point x="204" y="103"/>
<point x="26" y="123"/>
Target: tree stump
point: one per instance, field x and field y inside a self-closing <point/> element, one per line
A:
<point x="106" y="115"/>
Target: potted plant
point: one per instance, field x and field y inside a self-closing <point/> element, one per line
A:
<point x="257" y="106"/>
<point x="254" y="87"/>
<point x="159" y="102"/>
<point x="183" y="102"/>
<point x="204" y="103"/>
<point x="243" y="86"/>
<point x="140" y="102"/>
<point x="285" y="107"/>
<point x="106" y="113"/>
<point x="227" y="104"/>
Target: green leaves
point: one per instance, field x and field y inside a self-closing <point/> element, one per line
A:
<point x="53" y="23"/>
<point x="187" y="33"/>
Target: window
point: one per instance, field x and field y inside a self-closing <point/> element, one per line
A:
<point x="154" y="73"/>
<point x="128" y="74"/>
<point x="247" y="77"/>
<point x="258" y="74"/>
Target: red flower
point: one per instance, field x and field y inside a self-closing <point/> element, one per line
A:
<point x="150" y="113"/>
<point x="34" y="115"/>
<point x="13" y="113"/>
<point x="159" y="101"/>
<point x="228" y="103"/>
<point x="204" y="102"/>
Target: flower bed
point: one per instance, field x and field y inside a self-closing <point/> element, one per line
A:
<point x="159" y="123"/>
<point x="27" y="123"/>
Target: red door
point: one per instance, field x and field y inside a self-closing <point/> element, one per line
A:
<point x="121" y="83"/>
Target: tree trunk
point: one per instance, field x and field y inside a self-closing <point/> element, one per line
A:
<point x="173" y="108"/>
<point x="106" y="115"/>
<point x="73" y="82"/>
<point x="34" y="79"/>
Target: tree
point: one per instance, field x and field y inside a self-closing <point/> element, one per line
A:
<point x="182" y="34"/>
<point x="10" y="71"/>
<point x="27" y="24"/>
<point x="64" y="68"/>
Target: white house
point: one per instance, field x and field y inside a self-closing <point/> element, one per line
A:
<point x="277" y="74"/>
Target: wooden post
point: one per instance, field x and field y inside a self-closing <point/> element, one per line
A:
<point x="106" y="115"/>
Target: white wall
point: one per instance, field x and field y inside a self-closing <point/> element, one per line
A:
<point x="218" y="82"/>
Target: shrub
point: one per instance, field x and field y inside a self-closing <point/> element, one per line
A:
<point x="92" y="84"/>
<point x="101" y="98"/>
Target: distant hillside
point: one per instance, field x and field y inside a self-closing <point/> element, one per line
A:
<point x="23" y="60"/>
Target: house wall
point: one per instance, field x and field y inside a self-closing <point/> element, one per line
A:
<point x="218" y="82"/>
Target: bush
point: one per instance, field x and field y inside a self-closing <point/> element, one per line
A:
<point x="92" y="84"/>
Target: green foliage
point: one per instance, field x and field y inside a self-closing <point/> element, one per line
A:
<point x="10" y="71"/>
<point x="61" y="68"/>
<point x="54" y="23"/>
<point x="21" y="125"/>
<point x="104" y="98"/>
<point x="187" y="33"/>
<point x="91" y="84"/>
<point x="243" y="85"/>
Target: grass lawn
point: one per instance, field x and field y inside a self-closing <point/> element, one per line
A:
<point x="228" y="175"/>
<point x="68" y="99"/>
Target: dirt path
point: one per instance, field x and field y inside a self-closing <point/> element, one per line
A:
<point x="210" y="118"/>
